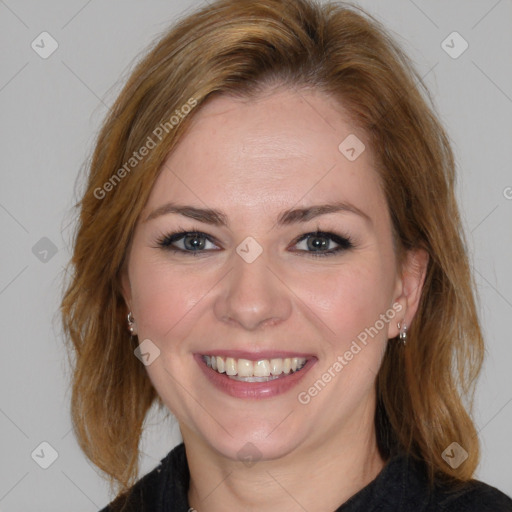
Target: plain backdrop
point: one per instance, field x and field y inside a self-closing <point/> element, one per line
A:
<point x="51" y="109"/>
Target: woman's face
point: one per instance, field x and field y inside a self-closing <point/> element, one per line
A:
<point x="290" y="263"/>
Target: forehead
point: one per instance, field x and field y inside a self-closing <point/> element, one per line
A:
<point x="279" y="150"/>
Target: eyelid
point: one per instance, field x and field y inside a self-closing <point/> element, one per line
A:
<point x="165" y="241"/>
<point x="344" y="242"/>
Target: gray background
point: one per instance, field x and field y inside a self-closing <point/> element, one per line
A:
<point x="51" y="109"/>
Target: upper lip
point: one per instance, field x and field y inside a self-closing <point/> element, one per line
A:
<point x="256" y="356"/>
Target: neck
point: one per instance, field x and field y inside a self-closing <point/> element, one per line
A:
<point x="317" y="478"/>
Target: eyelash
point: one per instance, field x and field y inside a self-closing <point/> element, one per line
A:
<point x="344" y="242"/>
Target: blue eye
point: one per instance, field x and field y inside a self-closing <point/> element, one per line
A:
<point x="318" y="243"/>
<point x="321" y="243"/>
<point x="187" y="241"/>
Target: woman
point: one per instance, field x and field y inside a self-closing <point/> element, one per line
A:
<point x="269" y="247"/>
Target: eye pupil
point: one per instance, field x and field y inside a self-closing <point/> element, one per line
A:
<point x="194" y="242"/>
<point x="317" y="243"/>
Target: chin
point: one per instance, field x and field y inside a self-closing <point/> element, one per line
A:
<point x="250" y="439"/>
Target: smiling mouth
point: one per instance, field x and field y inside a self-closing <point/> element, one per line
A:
<point x="262" y="370"/>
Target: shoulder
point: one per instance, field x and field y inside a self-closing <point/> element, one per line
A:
<point x="166" y="483"/>
<point x="403" y="486"/>
<point x="472" y="496"/>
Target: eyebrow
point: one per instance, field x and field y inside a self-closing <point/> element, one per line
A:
<point x="287" y="217"/>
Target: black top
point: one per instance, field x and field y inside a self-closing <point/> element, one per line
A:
<point x="401" y="486"/>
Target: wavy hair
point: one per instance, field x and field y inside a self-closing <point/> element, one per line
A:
<point x="243" y="47"/>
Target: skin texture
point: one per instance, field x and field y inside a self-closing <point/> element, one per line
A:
<point x="253" y="159"/>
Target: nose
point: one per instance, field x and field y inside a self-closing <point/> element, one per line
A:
<point x="252" y="296"/>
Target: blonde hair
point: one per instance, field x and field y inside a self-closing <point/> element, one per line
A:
<point x="241" y="47"/>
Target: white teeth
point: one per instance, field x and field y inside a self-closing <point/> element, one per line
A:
<point x="231" y="366"/>
<point x="276" y="366"/>
<point x="262" y="368"/>
<point x="254" y="371"/>
<point x="254" y="379"/>
<point x="245" y="368"/>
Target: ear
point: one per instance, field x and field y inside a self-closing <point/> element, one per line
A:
<point x="408" y="289"/>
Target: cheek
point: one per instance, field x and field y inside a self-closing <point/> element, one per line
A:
<point x="350" y="298"/>
<point x="162" y="297"/>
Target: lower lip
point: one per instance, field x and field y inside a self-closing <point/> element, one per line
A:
<point x="254" y="390"/>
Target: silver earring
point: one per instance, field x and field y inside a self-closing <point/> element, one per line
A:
<point x="403" y="332"/>
<point x="131" y="324"/>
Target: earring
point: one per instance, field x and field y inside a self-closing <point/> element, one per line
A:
<point x="403" y="332"/>
<point x="131" y="324"/>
